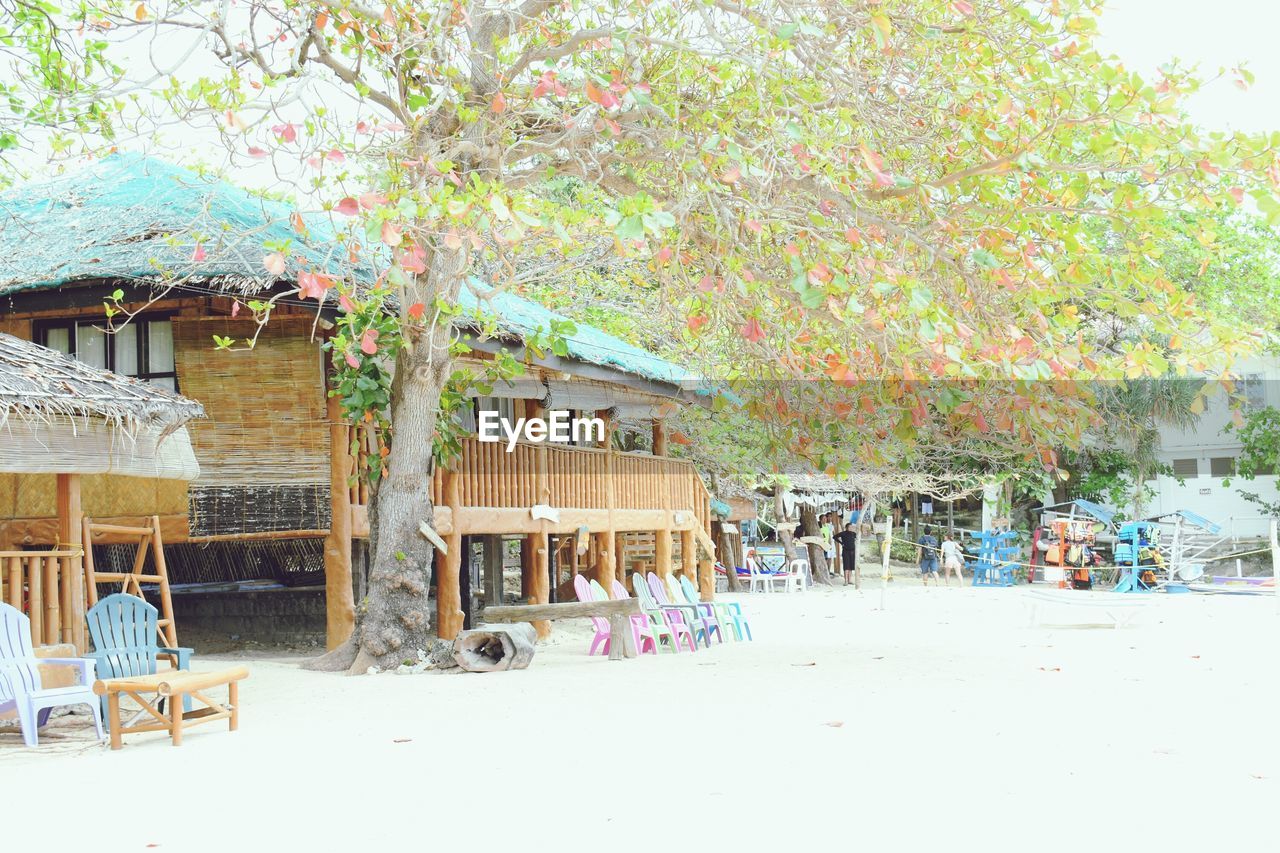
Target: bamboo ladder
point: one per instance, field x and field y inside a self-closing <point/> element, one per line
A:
<point x="131" y="582"/>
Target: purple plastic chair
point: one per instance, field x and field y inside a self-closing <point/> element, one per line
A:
<point x="658" y="625"/>
<point x="696" y="622"/>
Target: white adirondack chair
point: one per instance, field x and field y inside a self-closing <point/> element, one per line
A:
<point x="20" y="687"/>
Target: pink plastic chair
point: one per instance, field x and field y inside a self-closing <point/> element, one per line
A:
<point x="644" y="639"/>
<point x="654" y="621"/>
<point x="598" y="623"/>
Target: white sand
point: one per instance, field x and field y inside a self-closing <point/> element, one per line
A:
<point x="961" y="727"/>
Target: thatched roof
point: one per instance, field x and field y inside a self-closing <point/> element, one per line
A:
<point x="133" y="219"/>
<point x="39" y="383"/>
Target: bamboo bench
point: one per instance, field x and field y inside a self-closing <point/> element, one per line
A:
<point x="622" y="641"/>
<point x="174" y="686"/>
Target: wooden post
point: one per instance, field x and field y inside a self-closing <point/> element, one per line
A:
<point x="659" y="437"/>
<point x="527" y="547"/>
<point x="662" y="552"/>
<point x="449" y="616"/>
<point x="71" y="536"/>
<point x="689" y="555"/>
<point x="493" y="588"/>
<point x="541" y="579"/>
<point x="339" y="593"/>
<point x="613" y="556"/>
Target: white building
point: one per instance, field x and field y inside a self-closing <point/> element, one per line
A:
<point x="1204" y="456"/>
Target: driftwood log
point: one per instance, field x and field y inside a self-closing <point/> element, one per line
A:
<point x="622" y="643"/>
<point x="494" y="648"/>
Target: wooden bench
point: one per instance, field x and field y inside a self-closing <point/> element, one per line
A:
<point x="622" y="641"/>
<point x="174" y="686"/>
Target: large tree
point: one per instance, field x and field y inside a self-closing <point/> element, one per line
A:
<point x="865" y="193"/>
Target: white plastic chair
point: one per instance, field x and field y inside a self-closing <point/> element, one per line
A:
<point x="797" y="578"/>
<point x="20" y="686"/>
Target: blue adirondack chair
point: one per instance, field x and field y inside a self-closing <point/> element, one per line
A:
<point x="124" y="632"/>
<point x="20" y="686"/>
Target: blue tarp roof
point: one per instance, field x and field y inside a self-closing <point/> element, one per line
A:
<point x="1194" y="518"/>
<point x="130" y="217"/>
<point x="1101" y="513"/>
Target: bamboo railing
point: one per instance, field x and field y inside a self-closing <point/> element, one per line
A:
<point x="46" y="585"/>
<point x="576" y="477"/>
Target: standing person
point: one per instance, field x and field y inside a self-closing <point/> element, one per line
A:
<point x="952" y="558"/>
<point x="828" y="538"/>
<point x="848" y="551"/>
<point x="927" y="548"/>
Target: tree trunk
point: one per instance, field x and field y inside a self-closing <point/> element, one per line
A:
<point x="786" y="527"/>
<point x="817" y="555"/>
<point x="729" y="556"/>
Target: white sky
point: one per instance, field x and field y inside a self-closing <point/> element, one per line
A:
<point x="1214" y="34"/>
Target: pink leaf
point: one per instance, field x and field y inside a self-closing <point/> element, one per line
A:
<point x="362" y="127"/>
<point x="198" y="254"/>
<point x="274" y="263"/>
<point x="752" y="331"/>
<point x="348" y="206"/>
<point x="731" y="175"/>
<point x="335" y="156"/>
<point x="235" y="308"/>
<point x="1207" y="167"/>
<point x="414" y="260"/>
<point x="346" y="304"/>
<point x="416" y="309"/>
<point x="498" y="104"/>
<point x="754" y="225"/>
<point x="313" y="285"/>
<point x="1237" y="193"/>
<point x="286" y="132"/>
<point x="452" y="240"/>
<point x="369" y="342"/>
<point x="663" y="255"/>
<point x="370" y="200"/>
<point x="255" y="151"/>
<point x="353" y="362"/>
<point x="962" y="7"/>
<point x="391" y="234"/>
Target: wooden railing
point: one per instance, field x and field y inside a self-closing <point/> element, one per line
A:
<point x="575" y="477"/>
<point x="49" y="587"/>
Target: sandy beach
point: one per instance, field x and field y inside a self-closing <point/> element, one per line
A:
<point x="942" y="719"/>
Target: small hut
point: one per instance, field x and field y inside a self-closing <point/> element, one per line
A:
<point x="61" y="419"/>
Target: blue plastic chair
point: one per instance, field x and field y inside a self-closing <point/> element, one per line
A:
<point x="124" y="631"/>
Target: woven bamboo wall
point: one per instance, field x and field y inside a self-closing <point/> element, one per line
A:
<point x="266" y="406"/>
<point x="102" y="495"/>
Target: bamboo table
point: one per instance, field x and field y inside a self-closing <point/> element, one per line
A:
<point x="174" y="686"/>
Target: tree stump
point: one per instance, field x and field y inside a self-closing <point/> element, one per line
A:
<point x="493" y="648"/>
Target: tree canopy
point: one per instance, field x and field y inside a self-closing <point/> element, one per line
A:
<point x="902" y="231"/>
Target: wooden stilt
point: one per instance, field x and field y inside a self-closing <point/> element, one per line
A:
<point x="662" y="552"/>
<point x="449" y="615"/>
<point x="541" y="579"/>
<point x="339" y="592"/>
<point x="689" y="555"/>
<point x="659" y="437"/>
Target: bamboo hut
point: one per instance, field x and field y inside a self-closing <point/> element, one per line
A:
<point x="278" y="505"/>
<point x="65" y="426"/>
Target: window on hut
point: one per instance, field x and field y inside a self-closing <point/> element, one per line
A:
<point x="142" y="347"/>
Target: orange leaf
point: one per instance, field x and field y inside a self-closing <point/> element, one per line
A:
<point x="498" y="104"/>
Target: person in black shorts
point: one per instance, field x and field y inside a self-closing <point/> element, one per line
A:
<point x="848" y="551"/>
